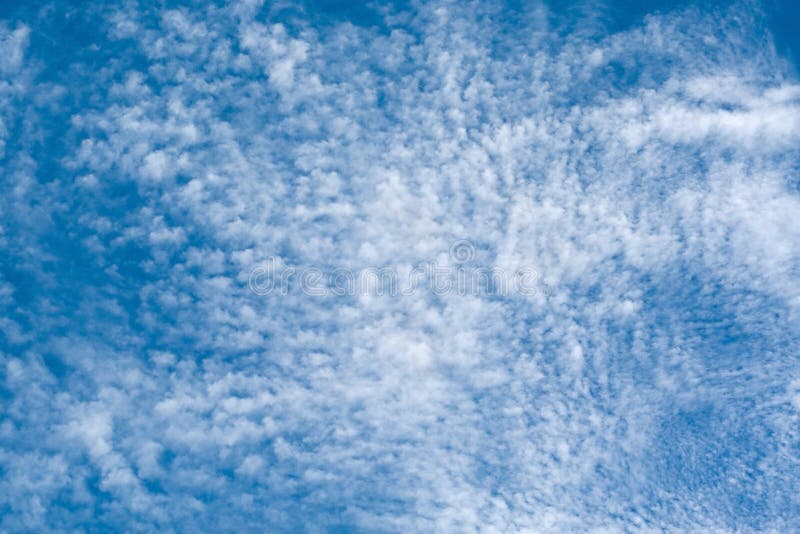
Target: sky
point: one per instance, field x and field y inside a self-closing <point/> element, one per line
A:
<point x="400" y="266"/>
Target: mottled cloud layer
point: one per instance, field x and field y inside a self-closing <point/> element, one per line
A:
<point x="152" y="157"/>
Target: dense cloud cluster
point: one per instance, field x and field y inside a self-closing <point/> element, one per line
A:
<point x="152" y="157"/>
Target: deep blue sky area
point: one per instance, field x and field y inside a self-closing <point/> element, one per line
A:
<point x="784" y="19"/>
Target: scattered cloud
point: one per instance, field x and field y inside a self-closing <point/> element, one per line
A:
<point x="647" y="174"/>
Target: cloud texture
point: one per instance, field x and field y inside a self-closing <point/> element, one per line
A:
<point x="152" y="157"/>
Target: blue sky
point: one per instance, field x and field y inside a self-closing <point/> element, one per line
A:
<point x="637" y="160"/>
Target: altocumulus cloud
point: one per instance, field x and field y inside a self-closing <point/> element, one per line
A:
<point x="155" y="154"/>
